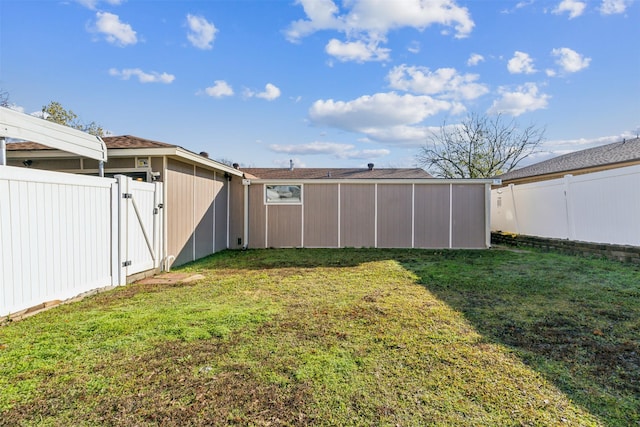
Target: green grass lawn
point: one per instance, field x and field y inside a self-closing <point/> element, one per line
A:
<point x="340" y="337"/>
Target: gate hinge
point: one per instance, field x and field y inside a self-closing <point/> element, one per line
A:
<point x="155" y="211"/>
<point x="126" y="195"/>
<point x="126" y="263"/>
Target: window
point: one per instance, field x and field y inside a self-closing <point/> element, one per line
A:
<point x="283" y="194"/>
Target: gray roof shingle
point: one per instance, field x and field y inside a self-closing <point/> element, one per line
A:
<point x="114" y="142"/>
<point x="609" y="154"/>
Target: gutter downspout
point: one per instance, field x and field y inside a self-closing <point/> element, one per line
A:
<point x="246" y="183"/>
<point x="101" y="168"/>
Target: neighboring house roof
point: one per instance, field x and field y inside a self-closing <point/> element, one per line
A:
<point x="113" y="142"/>
<point x="125" y="146"/>
<point x="334" y="173"/>
<point x="609" y="156"/>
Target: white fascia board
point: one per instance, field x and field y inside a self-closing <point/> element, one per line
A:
<point x="431" y="181"/>
<point x="22" y="126"/>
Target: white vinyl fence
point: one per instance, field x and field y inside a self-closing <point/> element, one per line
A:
<point x="62" y="235"/>
<point x="599" y="207"/>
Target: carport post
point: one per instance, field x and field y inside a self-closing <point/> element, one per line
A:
<point x="3" y="151"/>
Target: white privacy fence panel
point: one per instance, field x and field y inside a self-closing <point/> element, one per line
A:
<point x="55" y="236"/>
<point x="600" y="207"/>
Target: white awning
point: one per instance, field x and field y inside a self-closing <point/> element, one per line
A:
<point x="33" y="129"/>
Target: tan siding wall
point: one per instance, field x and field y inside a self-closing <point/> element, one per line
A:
<point x="221" y="187"/>
<point x="157" y="165"/>
<point x="112" y="163"/>
<point x="320" y="215"/>
<point x="357" y="222"/>
<point x="236" y="213"/>
<point x="256" y="216"/>
<point x="394" y="215"/>
<point x="431" y="216"/>
<point x="48" y="164"/>
<point x="203" y="212"/>
<point x="469" y="225"/>
<point x="285" y="226"/>
<point x="179" y="211"/>
<point x="357" y="215"/>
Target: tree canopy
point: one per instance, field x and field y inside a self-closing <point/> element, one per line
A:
<point x="479" y="147"/>
<point x="55" y="112"/>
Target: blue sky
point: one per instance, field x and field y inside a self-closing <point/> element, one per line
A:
<point x="327" y="83"/>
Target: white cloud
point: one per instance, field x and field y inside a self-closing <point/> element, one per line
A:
<point x="521" y="63"/>
<point x="525" y="98"/>
<point x="414" y="47"/>
<point x="368" y="22"/>
<point x="385" y="117"/>
<point x="375" y="111"/>
<point x="92" y="4"/>
<point x="337" y="150"/>
<point x="612" y="7"/>
<point x="569" y="60"/>
<point x="153" y="77"/>
<point x="201" y="32"/>
<point x="270" y="93"/>
<point x="446" y="82"/>
<point x="219" y="89"/>
<point x="475" y="59"/>
<point x="115" y="32"/>
<point x="575" y="8"/>
<point x="357" y="51"/>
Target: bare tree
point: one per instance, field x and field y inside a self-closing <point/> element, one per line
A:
<point x="479" y="147"/>
<point x="4" y="98"/>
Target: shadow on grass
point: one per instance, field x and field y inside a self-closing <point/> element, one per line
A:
<point x="574" y="320"/>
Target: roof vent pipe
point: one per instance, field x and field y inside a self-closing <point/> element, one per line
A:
<point x="204" y="154"/>
<point x="290" y="165"/>
<point x="370" y="166"/>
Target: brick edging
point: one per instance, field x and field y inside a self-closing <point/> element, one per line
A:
<point x="614" y="252"/>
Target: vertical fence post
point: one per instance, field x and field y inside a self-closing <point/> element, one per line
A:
<point x="515" y="208"/>
<point x="123" y="187"/>
<point x="571" y="232"/>
<point x="158" y="220"/>
<point x="115" y="234"/>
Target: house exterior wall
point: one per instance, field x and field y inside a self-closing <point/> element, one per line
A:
<point x="395" y="212"/>
<point x="318" y="200"/>
<point x="357" y="215"/>
<point x="431" y="211"/>
<point x="196" y="212"/>
<point x="385" y="215"/>
<point x="284" y="226"/>
<point x="236" y="213"/>
<point x="468" y="225"/>
<point x="47" y="164"/>
<point x="220" y="213"/>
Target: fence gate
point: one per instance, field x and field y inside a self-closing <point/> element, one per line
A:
<point x="141" y="212"/>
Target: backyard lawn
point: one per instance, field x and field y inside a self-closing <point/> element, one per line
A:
<point x="340" y="337"/>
